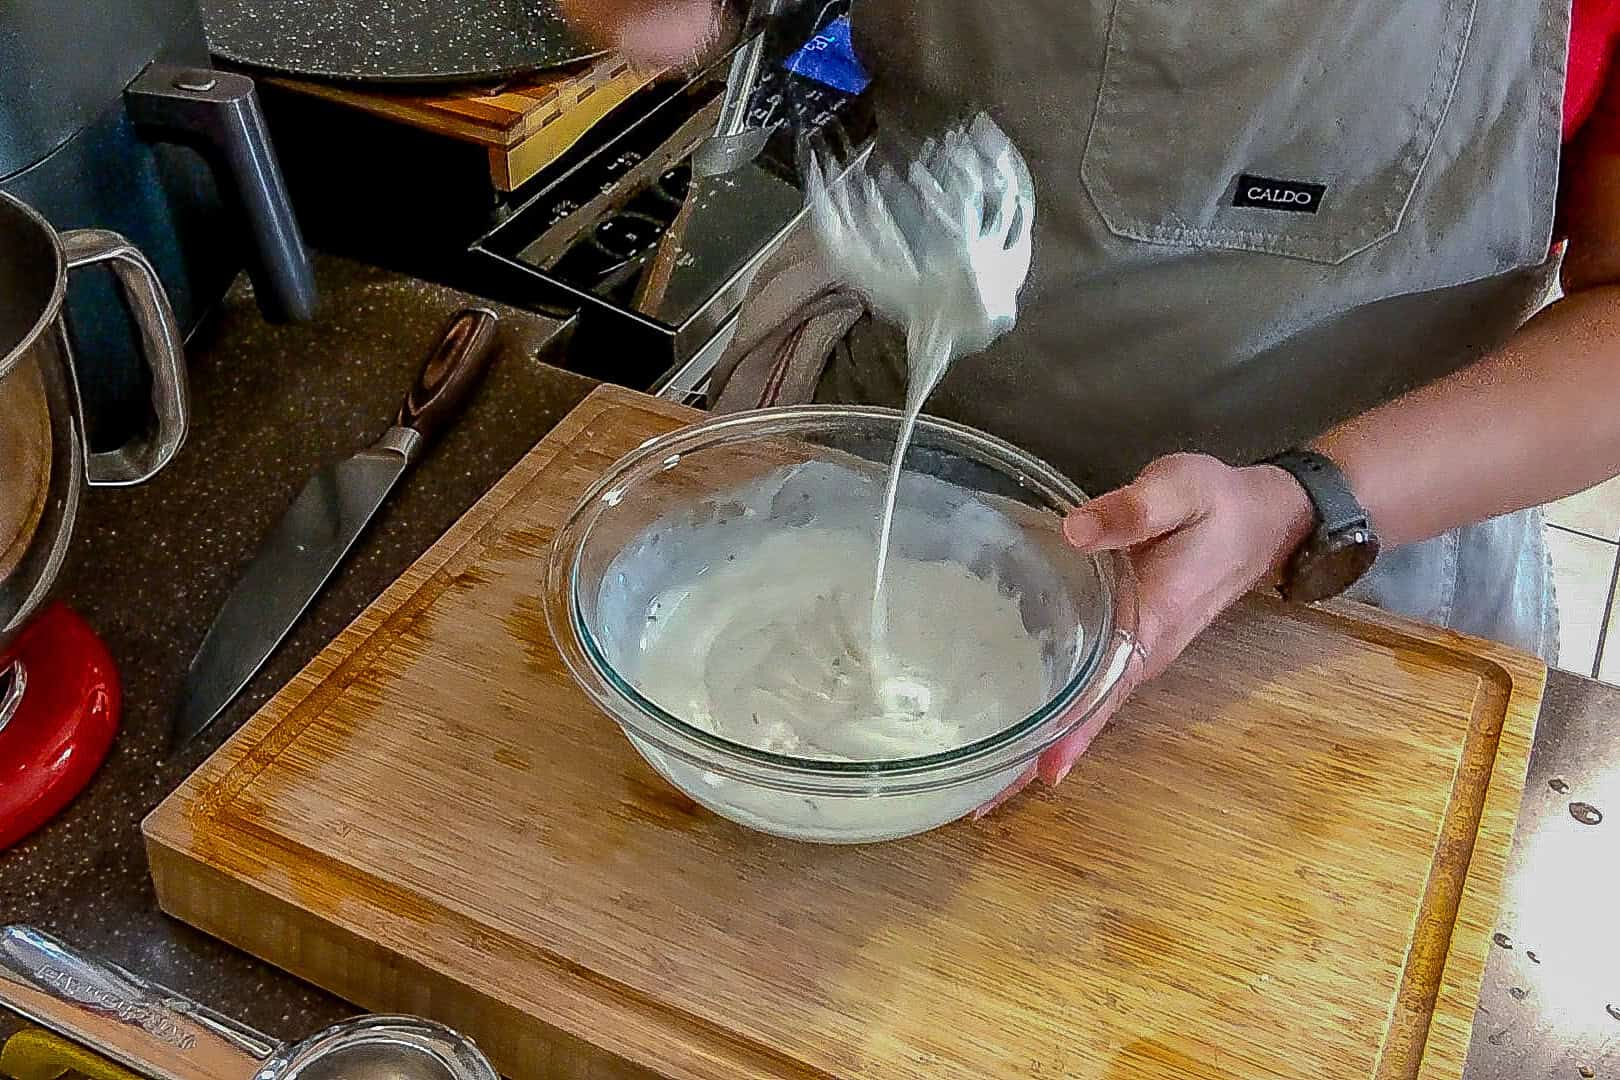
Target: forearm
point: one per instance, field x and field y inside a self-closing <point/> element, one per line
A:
<point x="662" y="32"/>
<point x="1537" y="420"/>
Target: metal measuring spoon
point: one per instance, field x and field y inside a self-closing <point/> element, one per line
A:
<point x="163" y="1035"/>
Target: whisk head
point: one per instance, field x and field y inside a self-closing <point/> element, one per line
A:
<point x="945" y="243"/>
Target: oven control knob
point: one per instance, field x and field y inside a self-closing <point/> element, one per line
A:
<point x="627" y="235"/>
<point x="675" y="183"/>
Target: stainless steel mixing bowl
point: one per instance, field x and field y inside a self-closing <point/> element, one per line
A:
<point x="45" y="456"/>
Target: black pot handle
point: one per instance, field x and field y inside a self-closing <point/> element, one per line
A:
<point x="217" y="113"/>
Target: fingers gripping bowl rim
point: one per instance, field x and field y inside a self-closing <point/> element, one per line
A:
<point x="849" y="801"/>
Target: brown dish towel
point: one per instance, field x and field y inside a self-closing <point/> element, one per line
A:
<point x="794" y="315"/>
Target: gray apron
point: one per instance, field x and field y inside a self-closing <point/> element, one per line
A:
<point x="1255" y="219"/>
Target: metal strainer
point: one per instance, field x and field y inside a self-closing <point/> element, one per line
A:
<point x="163" y="1035"/>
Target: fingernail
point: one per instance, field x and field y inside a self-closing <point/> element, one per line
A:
<point x="1079" y="528"/>
<point x="1053" y="777"/>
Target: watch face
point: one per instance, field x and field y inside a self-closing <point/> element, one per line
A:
<point x="1328" y="565"/>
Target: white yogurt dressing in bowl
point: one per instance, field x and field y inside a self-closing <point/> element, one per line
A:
<point x="774" y="649"/>
<point x="713" y="594"/>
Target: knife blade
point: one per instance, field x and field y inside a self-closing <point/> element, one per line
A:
<point x="301" y="553"/>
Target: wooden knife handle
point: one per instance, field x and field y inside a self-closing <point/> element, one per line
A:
<point x="457" y="363"/>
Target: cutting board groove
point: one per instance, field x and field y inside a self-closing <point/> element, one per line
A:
<point x="1281" y="860"/>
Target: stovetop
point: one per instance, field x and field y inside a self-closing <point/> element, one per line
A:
<point x="655" y="257"/>
<point x="647" y="262"/>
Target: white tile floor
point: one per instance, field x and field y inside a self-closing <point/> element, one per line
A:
<point x="1583" y="533"/>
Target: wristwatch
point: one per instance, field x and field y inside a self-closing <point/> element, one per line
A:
<point x="1343" y="546"/>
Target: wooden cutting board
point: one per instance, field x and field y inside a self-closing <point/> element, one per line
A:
<point x="1281" y="860"/>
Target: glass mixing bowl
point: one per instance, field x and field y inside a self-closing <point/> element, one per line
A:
<point x="683" y="503"/>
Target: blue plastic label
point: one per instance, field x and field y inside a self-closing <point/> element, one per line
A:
<point x="829" y="59"/>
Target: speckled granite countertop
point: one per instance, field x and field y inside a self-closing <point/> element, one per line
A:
<point x="151" y="565"/>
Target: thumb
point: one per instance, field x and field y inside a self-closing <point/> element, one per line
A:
<point x="1155" y="504"/>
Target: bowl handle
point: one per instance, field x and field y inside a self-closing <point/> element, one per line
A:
<point x="161" y="346"/>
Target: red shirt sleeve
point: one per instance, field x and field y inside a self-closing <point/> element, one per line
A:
<point x="1593" y="34"/>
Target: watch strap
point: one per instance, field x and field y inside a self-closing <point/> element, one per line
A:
<point x="1337" y="509"/>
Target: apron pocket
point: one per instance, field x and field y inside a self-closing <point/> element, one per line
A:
<point x="1291" y="127"/>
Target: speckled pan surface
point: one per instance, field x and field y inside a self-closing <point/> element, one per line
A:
<point x="393" y="41"/>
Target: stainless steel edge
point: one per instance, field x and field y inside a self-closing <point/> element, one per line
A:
<point x="147" y="1027"/>
<point x="293" y="564"/>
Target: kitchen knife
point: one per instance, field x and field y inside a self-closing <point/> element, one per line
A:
<point x="319" y="528"/>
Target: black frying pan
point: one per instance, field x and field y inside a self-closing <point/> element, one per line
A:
<point x="393" y="41"/>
